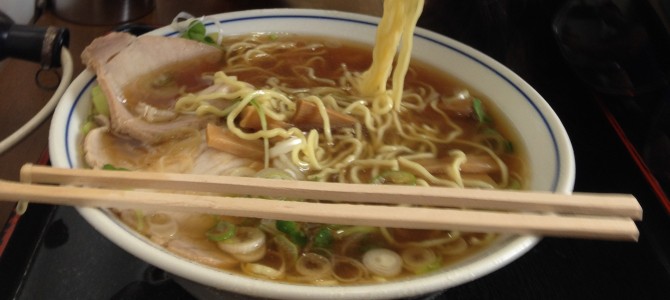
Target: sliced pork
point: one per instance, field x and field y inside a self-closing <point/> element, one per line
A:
<point x="130" y="68"/>
<point x="102" y="147"/>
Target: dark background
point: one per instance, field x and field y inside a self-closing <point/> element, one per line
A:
<point x="601" y="65"/>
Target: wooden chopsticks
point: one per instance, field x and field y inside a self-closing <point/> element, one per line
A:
<point x="598" y="216"/>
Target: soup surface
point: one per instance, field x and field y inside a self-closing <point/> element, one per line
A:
<point x="289" y="107"/>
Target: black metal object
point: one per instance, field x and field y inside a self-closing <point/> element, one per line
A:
<point x="32" y="43"/>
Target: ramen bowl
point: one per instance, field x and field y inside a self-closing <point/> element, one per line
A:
<point x="549" y="154"/>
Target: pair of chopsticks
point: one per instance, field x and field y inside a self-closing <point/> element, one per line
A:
<point x="597" y="216"/>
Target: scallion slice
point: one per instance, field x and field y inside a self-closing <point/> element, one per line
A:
<point x="221" y="231"/>
<point x="323" y="238"/>
<point x="292" y="231"/>
<point x="395" y="177"/>
<point x="480" y="113"/>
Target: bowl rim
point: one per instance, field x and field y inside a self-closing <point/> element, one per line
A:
<point x="511" y="247"/>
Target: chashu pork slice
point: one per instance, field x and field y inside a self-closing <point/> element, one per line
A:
<point x="101" y="147"/>
<point x="121" y="59"/>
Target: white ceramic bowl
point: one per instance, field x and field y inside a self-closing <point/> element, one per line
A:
<point x="551" y="158"/>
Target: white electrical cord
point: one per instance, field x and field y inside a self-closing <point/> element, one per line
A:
<point x="28" y="127"/>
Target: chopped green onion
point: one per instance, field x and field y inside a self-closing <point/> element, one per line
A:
<point x="198" y="32"/>
<point x="88" y="126"/>
<point x="323" y="238"/>
<point x="292" y="230"/>
<point x="110" y="167"/>
<point x="299" y="238"/>
<point x="139" y="220"/>
<point x="288" y="248"/>
<point x="395" y="177"/>
<point x="99" y="101"/>
<point x="434" y="266"/>
<point x="221" y="231"/>
<point x="287" y="227"/>
<point x="313" y="265"/>
<point x="480" y="113"/>
<point x="514" y="184"/>
<point x="507" y="145"/>
<point x="420" y="260"/>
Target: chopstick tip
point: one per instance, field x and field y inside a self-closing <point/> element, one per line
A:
<point x="25" y="174"/>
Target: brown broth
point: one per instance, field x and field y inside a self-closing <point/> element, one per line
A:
<point x="357" y="58"/>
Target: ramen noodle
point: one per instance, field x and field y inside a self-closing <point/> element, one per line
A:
<point x="294" y="107"/>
